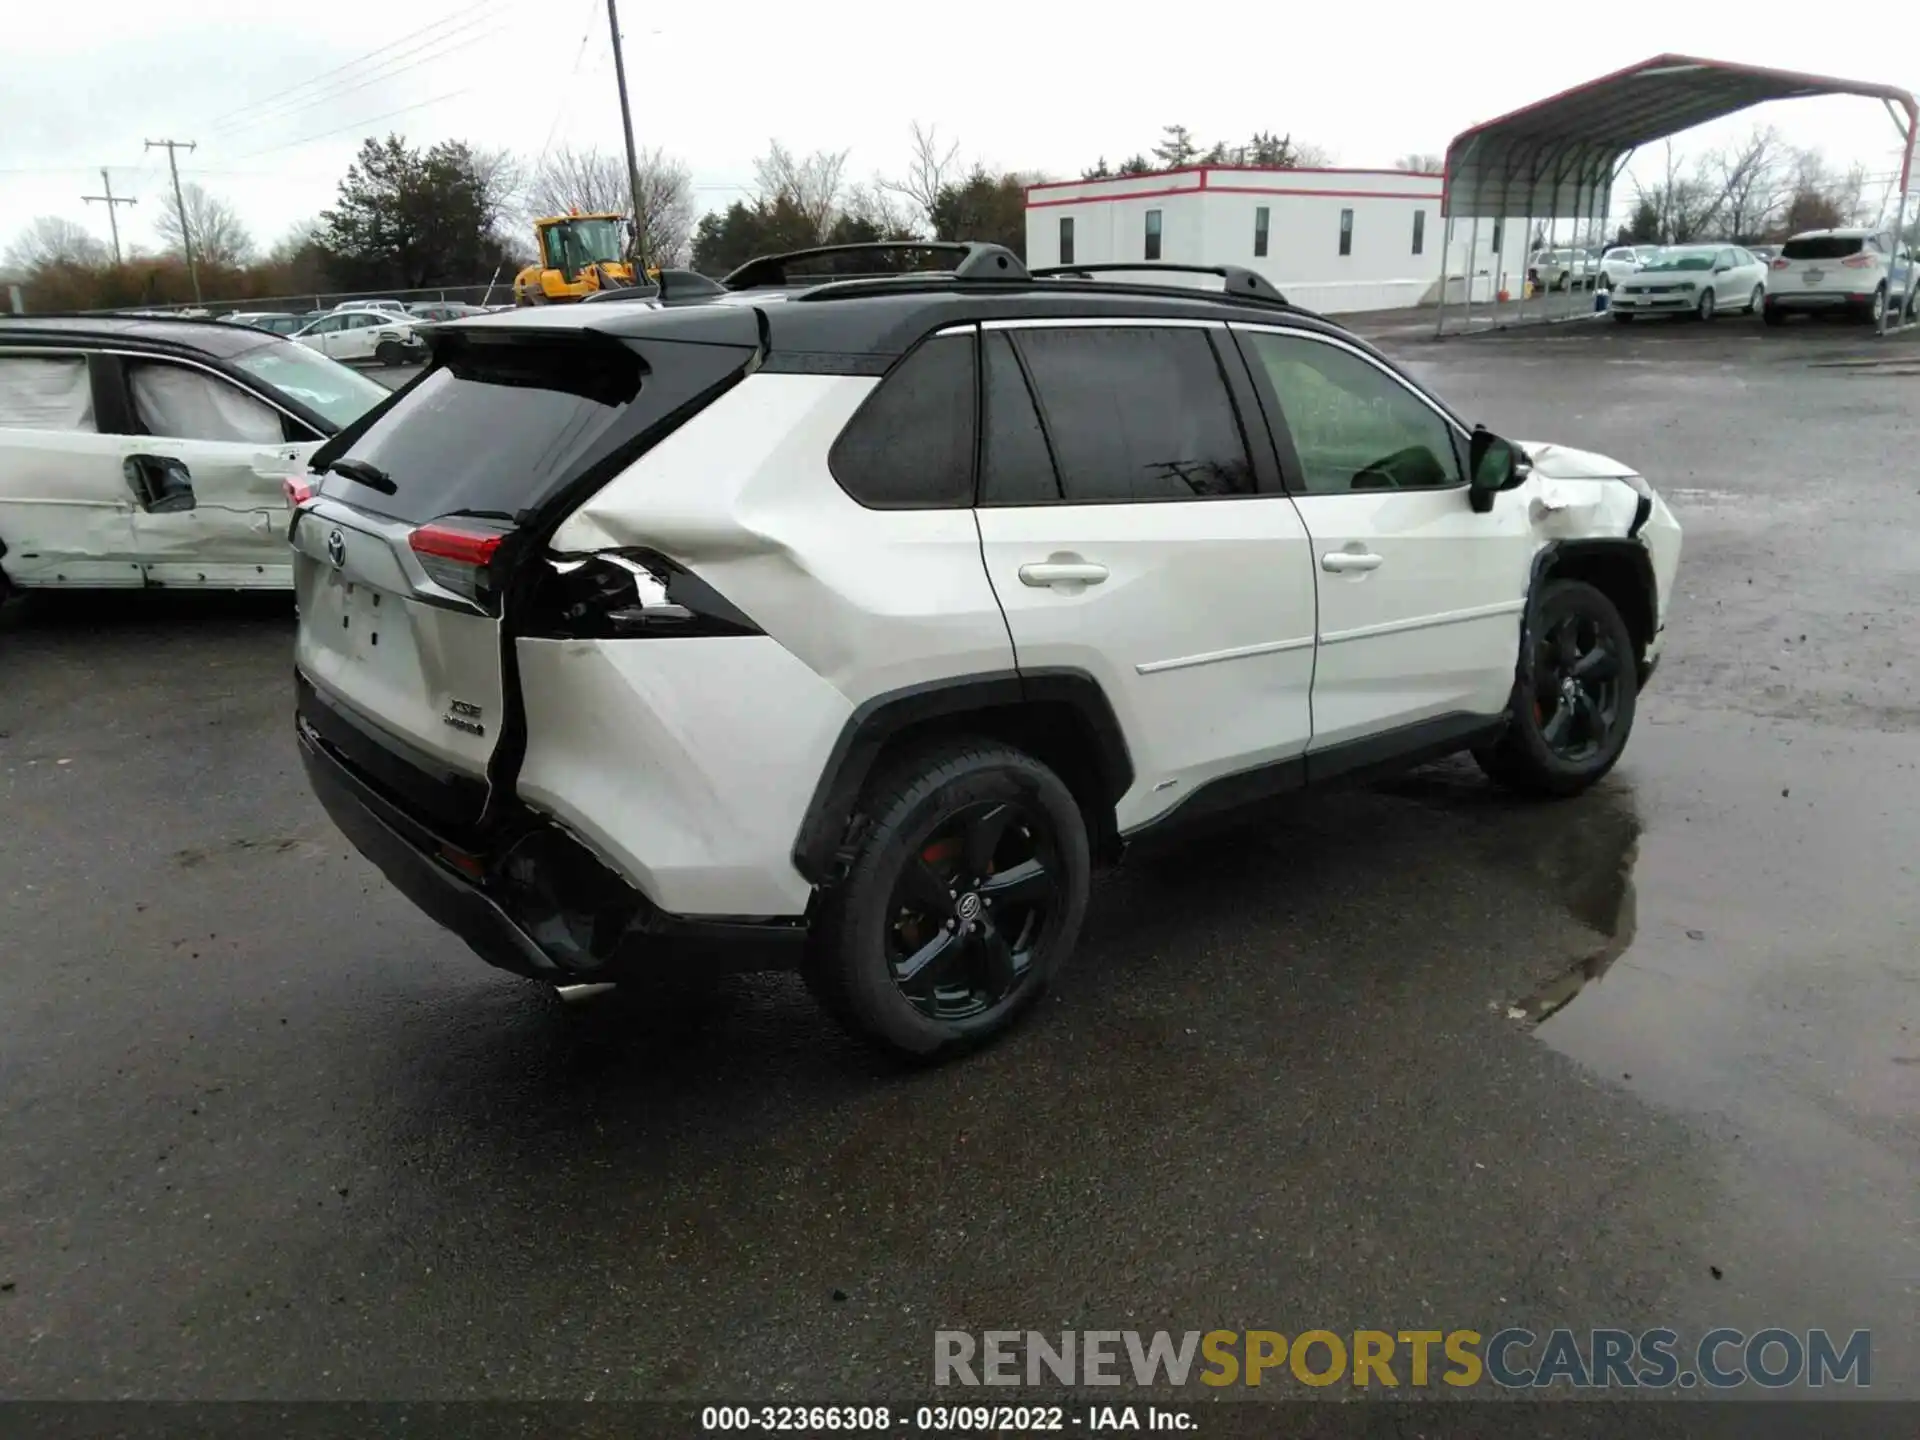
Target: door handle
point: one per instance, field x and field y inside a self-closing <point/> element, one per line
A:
<point x="1062" y="572"/>
<point x="1339" y="561"/>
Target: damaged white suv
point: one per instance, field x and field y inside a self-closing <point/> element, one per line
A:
<point x="846" y="626"/>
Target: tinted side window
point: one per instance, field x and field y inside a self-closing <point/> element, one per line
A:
<point x="910" y="447"/>
<point x="1015" y="466"/>
<point x="1354" y="427"/>
<point x="1136" y="414"/>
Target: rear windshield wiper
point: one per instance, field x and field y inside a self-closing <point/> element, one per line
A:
<point x="371" y="476"/>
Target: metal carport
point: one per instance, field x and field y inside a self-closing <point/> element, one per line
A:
<point x="1561" y="156"/>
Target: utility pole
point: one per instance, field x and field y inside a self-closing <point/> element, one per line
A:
<point x="626" y="129"/>
<point x="173" y="149"/>
<point x="113" y="219"/>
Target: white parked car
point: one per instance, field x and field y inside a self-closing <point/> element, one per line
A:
<point x="1621" y="261"/>
<point x="365" y="335"/>
<point x="392" y="307"/>
<point x="1693" y="280"/>
<point x="1835" y="271"/>
<point x="1561" y="269"/>
<point x="156" y="451"/>
<point x="847" y="633"/>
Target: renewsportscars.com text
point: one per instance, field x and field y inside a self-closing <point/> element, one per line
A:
<point x="1599" y="1359"/>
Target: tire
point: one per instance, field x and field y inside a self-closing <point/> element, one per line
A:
<point x="1772" y="315"/>
<point x="1877" y="306"/>
<point x="1913" y="306"/>
<point x="982" y="822"/>
<point x="1704" y="310"/>
<point x="389" y="352"/>
<point x="1757" y="301"/>
<point x="1541" y="753"/>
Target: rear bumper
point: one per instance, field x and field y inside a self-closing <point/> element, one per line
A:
<point x="1819" y="300"/>
<point x="539" y="905"/>
<point x="403" y="850"/>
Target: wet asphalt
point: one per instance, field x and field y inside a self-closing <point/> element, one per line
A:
<point x="1413" y="1056"/>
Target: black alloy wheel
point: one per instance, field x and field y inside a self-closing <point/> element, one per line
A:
<point x="1573" y="705"/>
<point x="963" y="896"/>
<point x="1576" y="687"/>
<point x="972" y="907"/>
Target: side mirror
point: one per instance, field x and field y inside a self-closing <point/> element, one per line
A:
<point x="1493" y="465"/>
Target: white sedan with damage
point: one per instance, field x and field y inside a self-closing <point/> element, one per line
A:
<point x="138" y="451"/>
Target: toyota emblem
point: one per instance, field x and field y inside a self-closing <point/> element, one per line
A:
<point x="337" y="549"/>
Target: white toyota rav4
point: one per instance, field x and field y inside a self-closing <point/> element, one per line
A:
<point x="844" y="626"/>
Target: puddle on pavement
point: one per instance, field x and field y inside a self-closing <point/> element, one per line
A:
<point x="1753" y="945"/>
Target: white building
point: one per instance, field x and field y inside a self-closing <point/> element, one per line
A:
<point x="1331" y="240"/>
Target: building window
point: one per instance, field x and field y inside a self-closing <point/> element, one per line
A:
<point x="1419" y="231"/>
<point x="1153" y="235"/>
<point x="1066" y="239"/>
<point x="1346" y="232"/>
<point x="1260" y="230"/>
<point x="1499" y="228"/>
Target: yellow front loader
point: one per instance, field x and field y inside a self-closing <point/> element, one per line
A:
<point x="579" y="255"/>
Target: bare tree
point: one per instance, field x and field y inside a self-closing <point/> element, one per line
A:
<point x="1686" y="206"/>
<point x="586" y="180"/>
<point x="1311" y="157"/>
<point x="928" y="173"/>
<point x="812" y="184"/>
<point x="596" y="180"/>
<point x="665" y="222"/>
<point x="218" y="236"/>
<point x="1750" y="182"/>
<point x="52" y="240"/>
<point x="887" y="209"/>
<point x="1421" y="162"/>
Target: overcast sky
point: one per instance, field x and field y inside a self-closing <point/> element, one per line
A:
<point x="278" y="95"/>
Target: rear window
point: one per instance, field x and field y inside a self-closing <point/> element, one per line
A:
<point x="1823" y="247"/>
<point x="491" y="433"/>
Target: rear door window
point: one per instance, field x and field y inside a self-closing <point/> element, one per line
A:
<point x="1015" y="465"/>
<point x="910" y="446"/>
<point x="46" y="393"/>
<point x="1136" y="413"/>
<point x="1823" y="247"/>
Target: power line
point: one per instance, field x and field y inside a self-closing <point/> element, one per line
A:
<point x="593" y="7"/>
<point x="387" y="70"/>
<point x="342" y="129"/>
<point x="284" y="92"/>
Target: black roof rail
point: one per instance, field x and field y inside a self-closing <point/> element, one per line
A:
<point x="1241" y="283"/>
<point x="973" y="260"/>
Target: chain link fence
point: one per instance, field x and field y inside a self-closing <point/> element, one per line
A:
<point x="498" y="291"/>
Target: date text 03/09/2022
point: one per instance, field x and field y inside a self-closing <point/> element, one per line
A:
<point x="1015" y="1419"/>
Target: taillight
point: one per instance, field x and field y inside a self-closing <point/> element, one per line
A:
<point x="1780" y="262"/>
<point x="298" y="489"/>
<point x="456" y="557"/>
<point x="1858" y="262"/>
<point x="628" y="594"/>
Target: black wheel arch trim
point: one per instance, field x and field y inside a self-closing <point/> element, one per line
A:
<point x="1557" y="552"/>
<point x="878" y="720"/>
